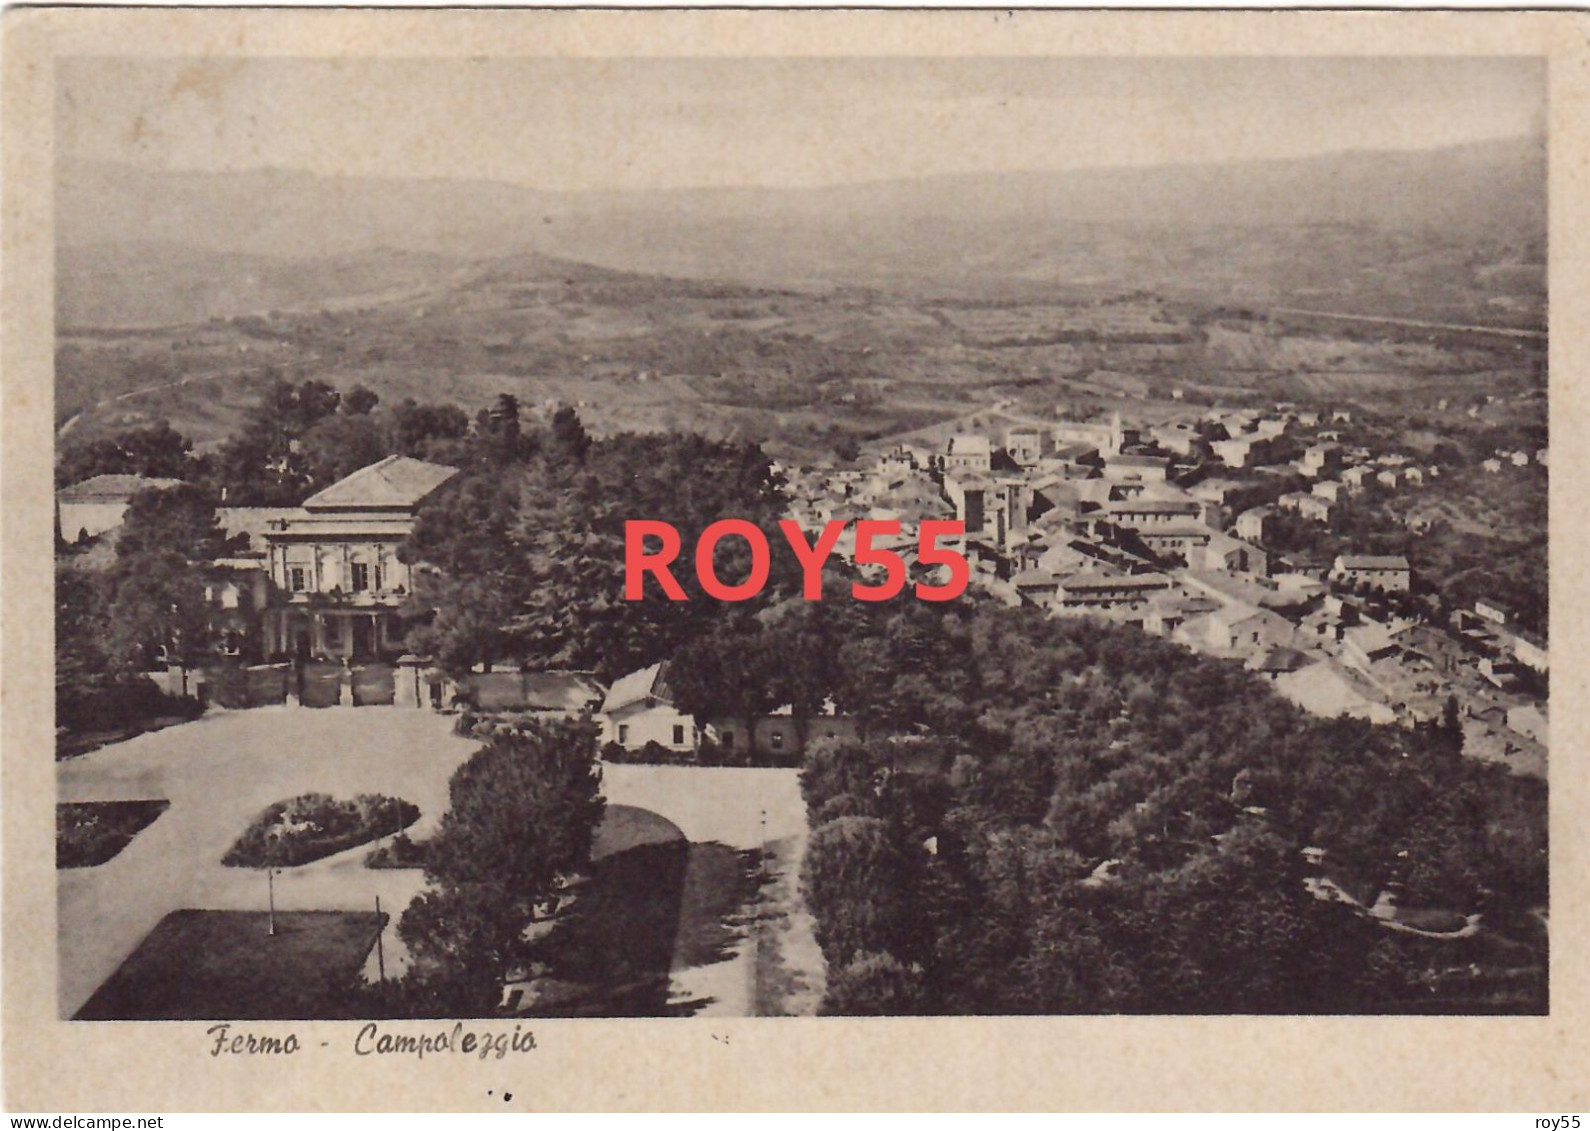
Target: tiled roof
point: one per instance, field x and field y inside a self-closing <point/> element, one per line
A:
<point x="560" y="691"/>
<point x="254" y="521"/>
<point x="648" y="683"/>
<point x="112" y="488"/>
<point x="396" y="481"/>
<point x="970" y="444"/>
<point x="1372" y="561"/>
<point x="1034" y="579"/>
<point x="1153" y="506"/>
<point x="1283" y="659"/>
<point x="1095" y="580"/>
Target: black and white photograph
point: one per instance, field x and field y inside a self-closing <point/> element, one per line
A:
<point x="542" y="539"/>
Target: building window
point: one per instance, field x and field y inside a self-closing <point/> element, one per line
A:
<point x="679" y="735"/>
<point x="623" y="734"/>
<point x="361" y="577"/>
<point x="333" y="630"/>
<point x="295" y="579"/>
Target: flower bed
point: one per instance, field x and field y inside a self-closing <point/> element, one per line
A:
<point x="89" y="833"/>
<point x="399" y="852"/>
<point x="315" y="825"/>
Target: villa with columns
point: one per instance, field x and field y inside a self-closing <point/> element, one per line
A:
<point x="336" y="582"/>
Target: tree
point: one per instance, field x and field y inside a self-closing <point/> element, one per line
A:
<point x="857" y="881"/>
<point x="159" y="606"/>
<point x="1452" y="724"/>
<point x="501" y="438"/>
<point x="461" y="944"/>
<point x="568" y="440"/>
<point x="263" y="464"/>
<point x="339" y="445"/>
<point x="359" y="401"/>
<point x="422" y="430"/>
<point x="82" y="630"/>
<point x="311" y="403"/>
<point x="1122" y="824"/>
<point x="522" y="816"/>
<point x="875" y="985"/>
<point x="729" y="673"/>
<point x="541" y="542"/>
<point x="522" y="812"/>
<point x="157" y="451"/>
<point x="178" y="520"/>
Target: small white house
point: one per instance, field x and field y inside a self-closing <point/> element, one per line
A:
<point x="639" y="709"/>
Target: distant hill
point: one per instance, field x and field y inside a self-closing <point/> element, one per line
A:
<point x="1451" y="234"/>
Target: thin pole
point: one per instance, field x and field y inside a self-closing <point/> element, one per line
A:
<point x="380" y="952"/>
<point x="270" y="881"/>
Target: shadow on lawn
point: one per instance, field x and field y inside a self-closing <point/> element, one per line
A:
<point x="647" y="911"/>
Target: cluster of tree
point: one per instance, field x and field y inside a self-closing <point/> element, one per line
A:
<point x="296" y="440"/>
<point x="157" y="451"/>
<point x="522" y="814"/>
<point x="298" y="437"/>
<point x="150" y="606"/>
<point x="523" y="553"/>
<point x="1063" y="816"/>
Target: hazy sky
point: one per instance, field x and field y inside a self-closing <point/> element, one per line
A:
<point x="637" y="124"/>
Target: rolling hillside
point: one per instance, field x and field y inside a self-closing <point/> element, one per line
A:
<point x="1439" y="232"/>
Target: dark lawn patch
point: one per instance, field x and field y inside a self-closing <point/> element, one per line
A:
<point x="654" y="903"/>
<point x="89" y="833"/>
<point x="224" y="965"/>
<point x="315" y="825"/>
<point x="626" y="826"/>
<point x="717" y="904"/>
<point x="610" y="953"/>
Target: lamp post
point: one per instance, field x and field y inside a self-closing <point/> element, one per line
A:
<point x="270" y="883"/>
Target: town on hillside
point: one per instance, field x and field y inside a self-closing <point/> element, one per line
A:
<point x="1159" y="527"/>
<point x="339" y="618"/>
<point x="1231" y="392"/>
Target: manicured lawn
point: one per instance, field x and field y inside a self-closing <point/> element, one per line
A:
<point x="224" y="965"/>
<point x="89" y="833"/>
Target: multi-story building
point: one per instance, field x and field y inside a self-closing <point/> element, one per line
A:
<point x="969" y="452"/>
<point x="1321" y="460"/>
<point x="336" y="581"/>
<point x="1092" y="592"/>
<point x="1252" y="524"/>
<point x="1138" y="514"/>
<point x="1027" y="445"/>
<point x="1387" y="572"/>
<point x="1148" y="469"/>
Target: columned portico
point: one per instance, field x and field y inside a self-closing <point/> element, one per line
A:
<point x="338" y="581"/>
